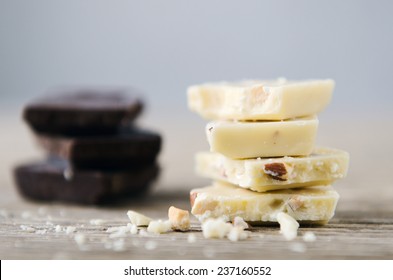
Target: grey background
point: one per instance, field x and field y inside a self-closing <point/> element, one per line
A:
<point x="164" y="46"/>
<point x="161" y="47"/>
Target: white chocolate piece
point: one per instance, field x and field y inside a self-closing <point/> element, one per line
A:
<point x="288" y="226"/>
<point x="322" y="167"/>
<point x="225" y="201"/>
<point x="191" y="238"/>
<point x="309" y="236"/>
<point x="237" y="233"/>
<point x="179" y="218"/>
<point x="159" y="226"/>
<point x="215" y="228"/>
<point x="240" y="223"/>
<point x="240" y="140"/>
<point x="138" y="219"/>
<point x="70" y="229"/>
<point x="260" y="100"/>
<point x="133" y="229"/>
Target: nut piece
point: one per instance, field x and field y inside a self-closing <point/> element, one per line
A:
<point x="179" y="218"/>
<point x="159" y="226"/>
<point x="276" y="170"/>
<point x="288" y="226"/>
<point x="138" y="219"/>
<point x="193" y="196"/>
<point x="295" y="202"/>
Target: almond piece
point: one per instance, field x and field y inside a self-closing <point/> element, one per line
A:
<point x="193" y="196"/>
<point x="179" y="218"/>
<point x="276" y="170"/>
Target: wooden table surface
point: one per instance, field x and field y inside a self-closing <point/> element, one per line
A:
<point x="361" y="229"/>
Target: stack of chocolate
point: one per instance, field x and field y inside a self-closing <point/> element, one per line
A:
<point x="262" y="153"/>
<point x="95" y="152"/>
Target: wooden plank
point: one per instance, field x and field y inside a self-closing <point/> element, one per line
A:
<point x="350" y="235"/>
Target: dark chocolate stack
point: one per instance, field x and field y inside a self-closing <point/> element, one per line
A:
<point x="95" y="153"/>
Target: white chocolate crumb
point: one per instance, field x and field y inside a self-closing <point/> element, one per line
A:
<point x="134" y="229"/>
<point x="239" y="222"/>
<point x="27" y="228"/>
<point x="25" y="214"/>
<point x="58" y="228"/>
<point x="191" y="238"/>
<point x="42" y="210"/>
<point x="309" y="236"/>
<point x="215" y="228"/>
<point x="180" y="219"/>
<point x="237" y="233"/>
<point x="297" y="247"/>
<point x="96" y="222"/>
<point x="119" y="232"/>
<point x="138" y="219"/>
<point x="41" y="231"/>
<point x="4" y="213"/>
<point x="62" y="213"/>
<point x="118" y="245"/>
<point x="143" y="232"/>
<point x="136" y="242"/>
<point x="112" y="229"/>
<point x="80" y="239"/>
<point x="150" y="245"/>
<point x="288" y="225"/>
<point x="70" y="229"/>
<point x="159" y="226"/>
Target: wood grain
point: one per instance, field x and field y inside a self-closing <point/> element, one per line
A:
<point x="350" y="235"/>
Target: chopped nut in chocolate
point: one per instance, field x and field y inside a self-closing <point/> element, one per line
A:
<point x="276" y="170"/>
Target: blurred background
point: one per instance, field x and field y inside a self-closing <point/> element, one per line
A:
<point x="162" y="47"/>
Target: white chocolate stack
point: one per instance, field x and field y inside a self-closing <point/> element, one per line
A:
<point x="262" y="151"/>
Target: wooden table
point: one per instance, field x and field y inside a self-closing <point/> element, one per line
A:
<point x="361" y="229"/>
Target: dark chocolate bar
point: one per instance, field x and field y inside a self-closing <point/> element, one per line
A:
<point x="83" y="111"/>
<point x="131" y="147"/>
<point x="54" y="181"/>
